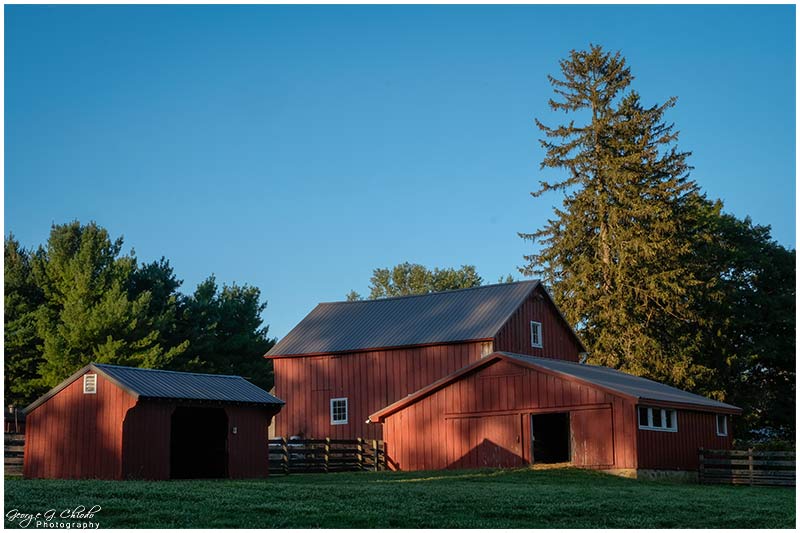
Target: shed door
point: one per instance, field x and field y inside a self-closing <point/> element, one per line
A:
<point x="484" y="441"/>
<point x="592" y="437"/>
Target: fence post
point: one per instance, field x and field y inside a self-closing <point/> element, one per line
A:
<point x="284" y="456"/>
<point x="702" y="464"/>
<point x="750" y="464"/>
<point x="375" y="451"/>
<point x="327" y="452"/>
<point x="360" y="452"/>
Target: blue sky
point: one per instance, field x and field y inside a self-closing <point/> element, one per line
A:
<point x="297" y="148"/>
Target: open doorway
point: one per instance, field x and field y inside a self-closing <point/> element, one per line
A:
<point x="550" y="438"/>
<point x="198" y="443"/>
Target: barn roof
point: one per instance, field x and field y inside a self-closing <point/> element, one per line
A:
<point x="477" y="313"/>
<point x="636" y="388"/>
<point x="170" y="385"/>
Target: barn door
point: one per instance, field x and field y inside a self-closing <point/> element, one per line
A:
<point x="592" y="437"/>
<point x="550" y="438"/>
<point x="484" y="441"/>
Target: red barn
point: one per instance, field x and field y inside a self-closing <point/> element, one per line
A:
<point x="117" y="422"/>
<point x="487" y="376"/>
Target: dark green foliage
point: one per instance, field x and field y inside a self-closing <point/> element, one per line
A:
<point x="659" y="281"/>
<point x="79" y="299"/>
<point x="23" y="354"/>
<point x="491" y="499"/>
<point x="226" y="332"/>
<point x="407" y="278"/>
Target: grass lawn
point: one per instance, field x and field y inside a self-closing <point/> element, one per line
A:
<point x="567" y="498"/>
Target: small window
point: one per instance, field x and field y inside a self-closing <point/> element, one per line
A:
<point x="722" y="426"/>
<point x="338" y="411"/>
<point x="536" y="334"/>
<point x="90" y="384"/>
<point x="657" y="419"/>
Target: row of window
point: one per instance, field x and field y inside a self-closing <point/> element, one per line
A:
<point x="657" y="419"/>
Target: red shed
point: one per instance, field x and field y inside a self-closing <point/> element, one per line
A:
<point x="116" y="422"/>
<point x="510" y="409"/>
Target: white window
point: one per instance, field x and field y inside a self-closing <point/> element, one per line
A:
<point x="536" y="334"/>
<point x="657" y="419"/>
<point x="338" y="411"/>
<point x="722" y="426"/>
<point x="90" y="383"/>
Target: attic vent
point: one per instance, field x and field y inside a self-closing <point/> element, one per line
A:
<point x="90" y="384"/>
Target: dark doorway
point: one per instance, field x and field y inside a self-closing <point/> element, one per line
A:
<point x="550" y="438"/>
<point x="199" y="443"/>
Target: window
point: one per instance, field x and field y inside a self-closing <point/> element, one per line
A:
<point x="90" y="383"/>
<point x="722" y="426"/>
<point x="657" y="419"/>
<point x="536" y="334"/>
<point x="338" y="411"/>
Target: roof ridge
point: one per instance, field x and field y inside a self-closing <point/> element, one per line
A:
<point x="520" y="282"/>
<point x="101" y="365"/>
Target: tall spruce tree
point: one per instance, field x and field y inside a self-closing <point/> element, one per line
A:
<point x="618" y="253"/>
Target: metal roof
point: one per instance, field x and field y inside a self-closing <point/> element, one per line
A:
<point x="640" y="388"/>
<point x="439" y="317"/>
<point x="167" y="384"/>
<point x="635" y="387"/>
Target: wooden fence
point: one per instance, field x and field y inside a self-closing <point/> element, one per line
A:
<point x="747" y="467"/>
<point x="14" y="446"/>
<point x="325" y="455"/>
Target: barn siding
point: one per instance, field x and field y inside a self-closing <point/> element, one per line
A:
<point x="482" y="420"/>
<point x="662" y="450"/>
<point x="77" y="435"/>
<point x="370" y="380"/>
<point x="146" y="439"/>
<point x="248" y="449"/>
<point x="558" y="341"/>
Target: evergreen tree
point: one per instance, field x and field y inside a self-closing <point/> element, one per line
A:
<point x="88" y="314"/>
<point x="617" y="253"/>
<point x="22" y="351"/>
<point x="226" y="331"/>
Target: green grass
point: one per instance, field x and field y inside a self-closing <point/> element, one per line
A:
<point x="567" y="498"/>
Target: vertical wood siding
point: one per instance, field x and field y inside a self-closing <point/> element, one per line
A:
<point x="661" y="450"/>
<point x="557" y="339"/>
<point x="76" y="435"/>
<point x="248" y="449"/>
<point x="483" y="420"/>
<point x="146" y="438"/>
<point x="369" y="380"/>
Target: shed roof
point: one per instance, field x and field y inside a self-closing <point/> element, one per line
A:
<point x="171" y="385"/>
<point x="614" y="381"/>
<point x="477" y="313"/>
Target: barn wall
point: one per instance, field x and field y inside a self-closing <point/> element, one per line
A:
<point x="370" y="380"/>
<point x="248" y="449"/>
<point x="146" y="439"/>
<point x="76" y="435"/>
<point x="558" y="342"/>
<point x="482" y="420"/>
<point x="661" y="450"/>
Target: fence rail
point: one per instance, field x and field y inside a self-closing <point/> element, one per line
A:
<point x="14" y="446"/>
<point x="747" y="467"/>
<point x="325" y="455"/>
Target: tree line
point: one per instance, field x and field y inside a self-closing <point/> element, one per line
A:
<point x="79" y="299"/>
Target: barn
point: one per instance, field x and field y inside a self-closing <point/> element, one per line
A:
<point x="458" y="378"/>
<point x="509" y="409"/>
<point x="117" y="422"/>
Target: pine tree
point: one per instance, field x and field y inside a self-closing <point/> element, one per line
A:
<point x="89" y="314"/>
<point x="618" y="253"/>
<point x="21" y="348"/>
